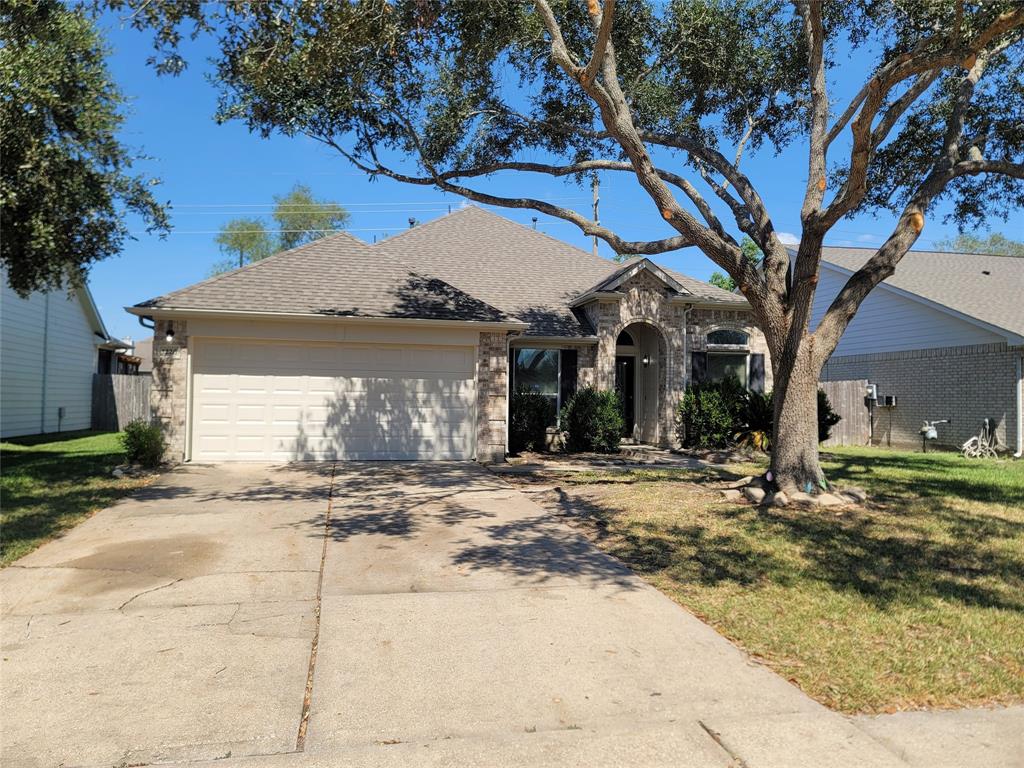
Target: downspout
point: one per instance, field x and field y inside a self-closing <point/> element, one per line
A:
<point x="46" y="344"/>
<point x="1020" y="407"/>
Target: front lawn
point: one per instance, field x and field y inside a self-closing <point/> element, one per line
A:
<point x="50" y="483"/>
<point x="917" y="601"/>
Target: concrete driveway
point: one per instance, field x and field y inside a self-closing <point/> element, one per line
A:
<point x="373" y="614"/>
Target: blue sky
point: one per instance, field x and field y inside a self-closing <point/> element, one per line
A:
<point x="212" y="173"/>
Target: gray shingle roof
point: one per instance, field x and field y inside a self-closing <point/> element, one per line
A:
<point x="987" y="288"/>
<point x="336" y="275"/>
<point x="525" y="273"/>
<point x="468" y="265"/>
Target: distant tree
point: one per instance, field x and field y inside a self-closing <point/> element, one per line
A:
<point x="246" y="240"/>
<point x="995" y="244"/>
<point x="65" y="179"/>
<point x="750" y="252"/>
<point x="298" y="218"/>
<point x="301" y="218"/>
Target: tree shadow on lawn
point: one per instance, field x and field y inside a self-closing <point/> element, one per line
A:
<point x="885" y="557"/>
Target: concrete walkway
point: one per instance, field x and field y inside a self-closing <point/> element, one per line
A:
<point x="375" y="614"/>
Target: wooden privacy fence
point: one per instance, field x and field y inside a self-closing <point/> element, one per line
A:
<point x="118" y="399"/>
<point x="847" y="398"/>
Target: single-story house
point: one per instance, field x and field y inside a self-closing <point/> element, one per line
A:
<point x="944" y="335"/>
<point x="408" y="349"/>
<point x="51" y="344"/>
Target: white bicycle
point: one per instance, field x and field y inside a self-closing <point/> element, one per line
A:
<point x="983" y="445"/>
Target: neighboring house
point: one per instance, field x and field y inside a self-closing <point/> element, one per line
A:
<point x="402" y="350"/>
<point x="944" y="334"/>
<point x="51" y="344"/>
<point x="144" y="351"/>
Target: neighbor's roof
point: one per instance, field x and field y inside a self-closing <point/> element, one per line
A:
<point x="986" y="288"/>
<point x="336" y="275"/>
<point x="529" y="275"/>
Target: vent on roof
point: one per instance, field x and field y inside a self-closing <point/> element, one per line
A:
<point x="985" y="272"/>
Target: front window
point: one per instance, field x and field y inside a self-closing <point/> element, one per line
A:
<point x="722" y="366"/>
<point x="728" y="337"/>
<point x="536" y="370"/>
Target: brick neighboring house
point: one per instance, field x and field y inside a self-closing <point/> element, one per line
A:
<point x="944" y="334"/>
<point x="408" y="349"/>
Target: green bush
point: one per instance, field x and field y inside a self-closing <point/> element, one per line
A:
<point x="529" y="416"/>
<point x="708" y="414"/>
<point x="755" y="427"/>
<point x="827" y="418"/>
<point x="143" y="443"/>
<point x="593" y="421"/>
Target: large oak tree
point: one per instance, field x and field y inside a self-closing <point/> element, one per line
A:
<point x="670" y="95"/>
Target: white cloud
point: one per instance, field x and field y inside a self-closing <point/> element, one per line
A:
<point x="867" y="239"/>
<point x="788" y="238"/>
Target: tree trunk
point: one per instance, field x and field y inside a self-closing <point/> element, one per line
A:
<point x="795" y="439"/>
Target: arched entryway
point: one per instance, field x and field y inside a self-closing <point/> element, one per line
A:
<point x="641" y="362"/>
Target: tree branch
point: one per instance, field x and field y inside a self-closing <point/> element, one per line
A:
<point x="603" y="22"/>
<point x="810" y="12"/>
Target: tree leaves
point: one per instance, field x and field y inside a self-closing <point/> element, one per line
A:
<point x="66" y="179"/>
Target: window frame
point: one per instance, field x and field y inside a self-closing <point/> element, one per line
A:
<point x="558" y="377"/>
<point x="712" y="349"/>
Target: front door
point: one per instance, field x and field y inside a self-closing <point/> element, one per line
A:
<point x="625" y="385"/>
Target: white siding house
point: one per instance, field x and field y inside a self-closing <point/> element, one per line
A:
<point x="944" y="335"/>
<point x="49" y="345"/>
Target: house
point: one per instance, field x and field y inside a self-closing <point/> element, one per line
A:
<point x="407" y="349"/>
<point x="51" y="344"/>
<point x="944" y="335"/>
<point x="144" y="351"/>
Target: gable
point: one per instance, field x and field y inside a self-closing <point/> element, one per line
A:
<point x="890" y="322"/>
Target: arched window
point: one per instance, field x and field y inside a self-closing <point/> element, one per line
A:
<point x="728" y="337"/>
<point x="624" y="340"/>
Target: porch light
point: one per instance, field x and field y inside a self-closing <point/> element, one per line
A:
<point x="646" y="360"/>
<point x="170" y="333"/>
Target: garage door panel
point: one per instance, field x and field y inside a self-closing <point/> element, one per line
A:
<point x="282" y="401"/>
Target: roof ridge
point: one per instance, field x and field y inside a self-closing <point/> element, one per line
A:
<point x="481" y="209"/>
<point x="421" y="227"/>
<point x="251" y="264"/>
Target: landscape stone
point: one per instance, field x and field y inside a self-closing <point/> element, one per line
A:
<point x="829" y="500"/>
<point x="754" y="494"/>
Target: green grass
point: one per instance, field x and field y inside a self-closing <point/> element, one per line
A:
<point x="49" y="484"/>
<point x="916" y="601"/>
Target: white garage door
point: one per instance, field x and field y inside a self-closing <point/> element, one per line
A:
<point x="282" y="401"/>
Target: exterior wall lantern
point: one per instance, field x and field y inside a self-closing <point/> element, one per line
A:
<point x="646" y="361"/>
<point x="170" y="332"/>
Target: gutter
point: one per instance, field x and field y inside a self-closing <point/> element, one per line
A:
<point x="1020" y="407"/>
<point x="170" y="312"/>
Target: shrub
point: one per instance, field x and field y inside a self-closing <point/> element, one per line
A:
<point x="593" y="421"/>
<point x="755" y="427"/>
<point x="827" y="418"/>
<point x="143" y="443"/>
<point x="529" y="415"/>
<point x="708" y="414"/>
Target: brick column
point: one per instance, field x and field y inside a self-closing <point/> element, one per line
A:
<point x="168" y="399"/>
<point x="492" y="397"/>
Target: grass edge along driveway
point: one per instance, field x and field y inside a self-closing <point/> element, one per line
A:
<point x="914" y="602"/>
<point x="51" y="483"/>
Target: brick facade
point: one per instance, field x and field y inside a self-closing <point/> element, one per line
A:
<point x="965" y="384"/>
<point x="645" y="299"/>
<point x="168" y="395"/>
<point x="492" y="397"/>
